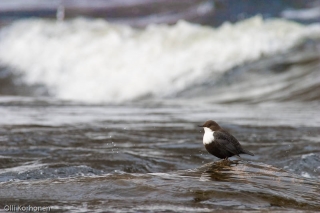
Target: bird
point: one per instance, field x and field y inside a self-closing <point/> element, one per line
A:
<point x="220" y="142"/>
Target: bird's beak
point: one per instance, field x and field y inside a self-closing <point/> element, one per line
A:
<point x="200" y="125"/>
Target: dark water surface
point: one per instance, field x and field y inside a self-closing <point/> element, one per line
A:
<point x="150" y="157"/>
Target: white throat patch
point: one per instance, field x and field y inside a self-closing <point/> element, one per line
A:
<point x="208" y="136"/>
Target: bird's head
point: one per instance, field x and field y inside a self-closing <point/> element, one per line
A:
<point x="211" y="125"/>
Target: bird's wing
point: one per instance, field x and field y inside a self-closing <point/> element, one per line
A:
<point x="229" y="142"/>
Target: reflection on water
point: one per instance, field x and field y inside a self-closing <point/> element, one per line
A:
<point x="267" y="185"/>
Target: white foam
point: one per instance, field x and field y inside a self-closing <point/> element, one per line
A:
<point x="305" y="174"/>
<point x="307" y="155"/>
<point x="95" y="61"/>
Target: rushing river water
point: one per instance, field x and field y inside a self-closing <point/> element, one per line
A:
<point x="102" y="117"/>
<point x="143" y="157"/>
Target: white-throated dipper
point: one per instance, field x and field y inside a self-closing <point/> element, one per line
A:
<point x="220" y="142"/>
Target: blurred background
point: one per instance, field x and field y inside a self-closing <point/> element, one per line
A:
<point x="144" y="12"/>
<point x="115" y="51"/>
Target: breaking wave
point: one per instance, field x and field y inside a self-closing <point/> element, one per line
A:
<point x="94" y="61"/>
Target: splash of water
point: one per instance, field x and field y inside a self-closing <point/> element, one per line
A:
<point x="95" y="61"/>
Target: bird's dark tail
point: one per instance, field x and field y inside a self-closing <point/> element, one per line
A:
<point x="246" y="152"/>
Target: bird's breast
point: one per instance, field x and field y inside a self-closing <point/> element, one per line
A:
<point x="208" y="137"/>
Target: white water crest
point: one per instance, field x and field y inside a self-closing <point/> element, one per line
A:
<point x="94" y="61"/>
